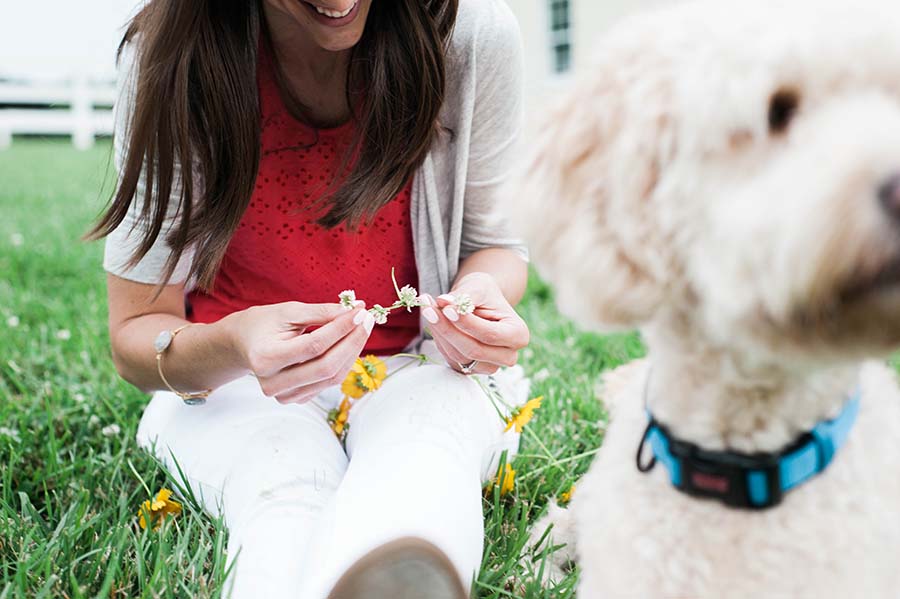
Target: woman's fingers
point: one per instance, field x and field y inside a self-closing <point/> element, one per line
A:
<point x="270" y="358"/>
<point x="301" y="315"/>
<point x="328" y="369"/>
<point x="302" y="394"/>
<point x="498" y="326"/>
<point x="469" y="348"/>
<point x="449" y="352"/>
<point x="456" y="361"/>
<point x="479" y="368"/>
<point x="491" y="335"/>
<point x="310" y="346"/>
<point x="474" y="350"/>
<point x="510" y="331"/>
<point x="307" y="392"/>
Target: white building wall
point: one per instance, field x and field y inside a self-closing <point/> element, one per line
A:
<point x="534" y="23"/>
<point x="589" y="20"/>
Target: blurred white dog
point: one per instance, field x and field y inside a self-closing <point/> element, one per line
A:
<point x="726" y="177"/>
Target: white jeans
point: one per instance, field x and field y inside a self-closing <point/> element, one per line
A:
<point x="300" y="510"/>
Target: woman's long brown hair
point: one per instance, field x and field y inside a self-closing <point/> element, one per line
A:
<point x="196" y="104"/>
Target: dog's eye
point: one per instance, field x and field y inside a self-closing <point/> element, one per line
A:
<point x="783" y="106"/>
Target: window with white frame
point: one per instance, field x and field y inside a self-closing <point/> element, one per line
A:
<point x="560" y="35"/>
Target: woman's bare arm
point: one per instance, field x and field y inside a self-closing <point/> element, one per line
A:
<point x="271" y="341"/>
<point x="201" y="357"/>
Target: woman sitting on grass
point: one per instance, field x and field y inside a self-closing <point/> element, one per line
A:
<point x="271" y="155"/>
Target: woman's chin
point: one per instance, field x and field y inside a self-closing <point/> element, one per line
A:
<point x="323" y="32"/>
<point x="337" y="43"/>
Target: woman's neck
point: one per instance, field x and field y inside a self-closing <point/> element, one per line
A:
<point x="312" y="79"/>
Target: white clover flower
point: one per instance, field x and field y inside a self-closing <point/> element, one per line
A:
<point x="94" y="420"/>
<point x="17" y="239"/>
<point x="408" y="298"/>
<point x="12" y="321"/>
<point x="79" y="398"/>
<point x="111" y="430"/>
<point x="5" y="431"/>
<point x="348" y="299"/>
<point x="463" y="303"/>
<point x="541" y="375"/>
<point x="63" y="334"/>
<point x="380" y="313"/>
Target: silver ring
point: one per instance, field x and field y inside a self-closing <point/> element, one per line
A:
<point x="468" y="368"/>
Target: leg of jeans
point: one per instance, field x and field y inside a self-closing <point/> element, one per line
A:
<point x="269" y="469"/>
<point x="418" y="449"/>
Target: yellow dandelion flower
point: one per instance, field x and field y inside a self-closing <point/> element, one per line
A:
<point x="506" y="480"/>
<point x="158" y="508"/>
<point x="366" y="375"/>
<point x="566" y="497"/>
<point x="357" y="383"/>
<point x="522" y="416"/>
<point x="337" y="418"/>
<point x="376" y="369"/>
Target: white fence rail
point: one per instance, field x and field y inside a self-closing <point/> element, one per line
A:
<point x="84" y="116"/>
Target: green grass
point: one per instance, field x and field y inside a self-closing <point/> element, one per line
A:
<point x="69" y="493"/>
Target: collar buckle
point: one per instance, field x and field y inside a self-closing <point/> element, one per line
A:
<point x="741" y="481"/>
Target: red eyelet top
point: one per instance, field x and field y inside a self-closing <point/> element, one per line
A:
<point x="280" y="254"/>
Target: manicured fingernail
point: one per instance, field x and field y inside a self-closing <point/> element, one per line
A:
<point x="359" y="304"/>
<point x="430" y="315"/>
<point x="451" y="313"/>
<point x="425" y="301"/>
<point x="447" y="298"/>
<point x="359" y="317"/>
<point x="369" y="322"/>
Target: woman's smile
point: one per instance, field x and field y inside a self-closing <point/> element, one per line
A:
<point x="333" y="17"/>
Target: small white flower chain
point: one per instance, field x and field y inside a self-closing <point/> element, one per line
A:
<point x="407" y="297"/>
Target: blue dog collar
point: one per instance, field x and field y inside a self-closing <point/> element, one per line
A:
<point x="752" y="481"/>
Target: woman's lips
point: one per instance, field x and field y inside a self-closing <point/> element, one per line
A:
<point x="330" y="21"/>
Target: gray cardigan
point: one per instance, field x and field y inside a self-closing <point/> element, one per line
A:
<point x="454" y="209"/>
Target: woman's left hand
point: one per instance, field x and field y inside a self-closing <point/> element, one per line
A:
<point x="491" y="335"/>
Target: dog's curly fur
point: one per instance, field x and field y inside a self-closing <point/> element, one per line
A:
<point x="713" y="179"/>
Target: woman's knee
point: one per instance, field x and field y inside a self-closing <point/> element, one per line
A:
<point x="428" y="403"/>
<point x="280" y="464"/>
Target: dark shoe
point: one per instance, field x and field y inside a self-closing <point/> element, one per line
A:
<point x="407" y="568"/>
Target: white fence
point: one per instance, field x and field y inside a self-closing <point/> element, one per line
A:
<point x="84" y="115"/>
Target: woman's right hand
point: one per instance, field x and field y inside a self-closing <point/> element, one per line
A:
<point x="291" y="364"/>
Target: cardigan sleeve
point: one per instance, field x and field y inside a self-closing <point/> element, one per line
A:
<point x="497" y="123"/>
<point x="124" y="240"/>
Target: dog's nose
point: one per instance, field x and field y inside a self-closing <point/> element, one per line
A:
<point x="889" y="194"/>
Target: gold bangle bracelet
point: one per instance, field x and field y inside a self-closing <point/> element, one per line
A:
<point x="161" y="344"/>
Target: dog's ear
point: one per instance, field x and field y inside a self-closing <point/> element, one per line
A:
<point x="583" y="198"/>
